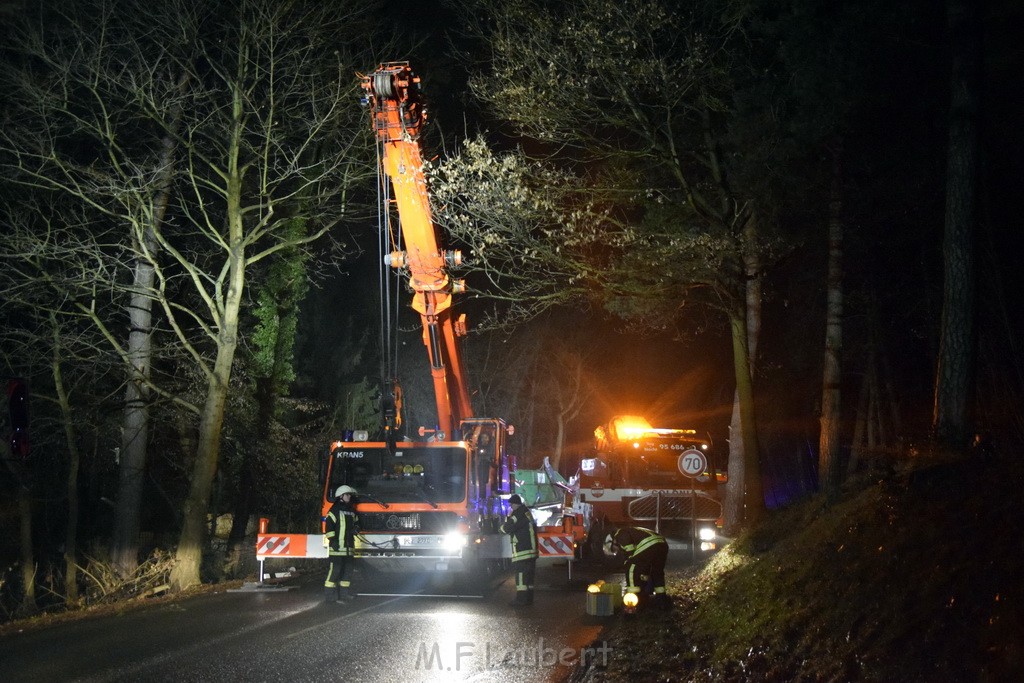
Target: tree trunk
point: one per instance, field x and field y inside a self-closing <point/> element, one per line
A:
<point x="752" y="492"/>
<point x="875" y="431"/>
<point x="954" y="372"/>
<point x="733" y="505"/>
<point x="829" y="471"/>
<point x="124" y="551"/>
<point x="889" y="393"/>
<point x="28" y="560"/>
<point x="556" y="458"/>
<point x="736" y="488"/>
<point x="860" y="425"/>
<point x="189" y="555"/>
<point x="74" y="458"/>
<point x="243" y="510"/>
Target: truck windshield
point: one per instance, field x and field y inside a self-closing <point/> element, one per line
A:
<point x="658" y="470"/>
<point x="435" y="474"/>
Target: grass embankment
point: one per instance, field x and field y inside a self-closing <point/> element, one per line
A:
<point x="917" y="575"/>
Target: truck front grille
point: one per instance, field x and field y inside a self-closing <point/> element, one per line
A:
<point x="671" y="506"/>
<point x="431" y="522"/>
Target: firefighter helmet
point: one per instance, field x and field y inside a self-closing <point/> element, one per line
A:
<point x="342" y="490"/>
<point x="514" y="499"/>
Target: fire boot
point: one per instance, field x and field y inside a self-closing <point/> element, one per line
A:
<point x="522" y="599"/>
<point x="345" y="594"/>
<point x="662" y="601"/>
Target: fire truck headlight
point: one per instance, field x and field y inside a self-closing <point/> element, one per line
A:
<point x="454" y="540"/>
<point x="706" y="534"/>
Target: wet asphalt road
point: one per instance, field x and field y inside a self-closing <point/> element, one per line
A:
<point x="294" y="635"/>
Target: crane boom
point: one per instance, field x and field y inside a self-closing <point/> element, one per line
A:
<point x="393" y="96"/>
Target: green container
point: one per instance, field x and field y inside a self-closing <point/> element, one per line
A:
<point x="605" y="602"/>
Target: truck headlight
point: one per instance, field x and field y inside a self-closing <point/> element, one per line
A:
<point x="706" y="534"/>
<point x="454" y="540"/>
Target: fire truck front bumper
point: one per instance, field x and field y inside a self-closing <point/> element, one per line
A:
<point x="449" y="552"/>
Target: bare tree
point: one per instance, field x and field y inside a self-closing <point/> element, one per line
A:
<point x="67" y="360"/>
<point x="569" y="393"/>
<point x="66" y="364"/>
<point x="279" y="122"/>
<point x="259" y="104"/>
<point x="78" y="134"/>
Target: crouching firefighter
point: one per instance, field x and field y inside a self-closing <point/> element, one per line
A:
<point x="519" y="525"/>
<point x="646" y="552"/>
<point x="340" y="538"/>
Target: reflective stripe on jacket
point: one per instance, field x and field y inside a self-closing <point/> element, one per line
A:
<point x="520" y="526"/>
<point x="635" y="540"/>
<point x="341" y="529"/>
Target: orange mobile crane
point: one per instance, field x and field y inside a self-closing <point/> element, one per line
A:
<point x="435" y="504"/>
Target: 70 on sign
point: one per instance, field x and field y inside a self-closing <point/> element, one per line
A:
<point x="692" y="463"/>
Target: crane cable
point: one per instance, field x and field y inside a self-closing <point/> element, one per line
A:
<point x="386" y="243"/>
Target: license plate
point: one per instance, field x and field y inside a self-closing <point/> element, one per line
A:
<point x="419" y="540"/>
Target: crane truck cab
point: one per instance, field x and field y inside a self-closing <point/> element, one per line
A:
<point x="432" y="506"/>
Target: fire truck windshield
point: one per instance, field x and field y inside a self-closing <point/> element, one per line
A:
<point x="413" y="475"/>
<point x="656" y="470"/>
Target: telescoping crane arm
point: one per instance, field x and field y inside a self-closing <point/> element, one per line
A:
<point x="393" y="96"/>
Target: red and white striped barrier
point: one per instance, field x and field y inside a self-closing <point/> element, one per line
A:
<point x="555" y="545"/>
<point x="289" y="545"/>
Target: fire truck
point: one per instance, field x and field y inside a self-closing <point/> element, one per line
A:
<point x="659" y="478"/>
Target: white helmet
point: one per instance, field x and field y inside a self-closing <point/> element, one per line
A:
<point x="342" y="490"/>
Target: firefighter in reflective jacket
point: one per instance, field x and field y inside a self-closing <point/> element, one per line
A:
<point x="340" y="537"/>
<point x="519" y="525"/>
<point x="646" y="552"/>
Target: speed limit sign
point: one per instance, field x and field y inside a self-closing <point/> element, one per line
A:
<point x="692" y="463"/>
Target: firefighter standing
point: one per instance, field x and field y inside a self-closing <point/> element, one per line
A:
<point x="519" y="525"/>
<point x="340" y="537"/>
<point x="646" y="552"/>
